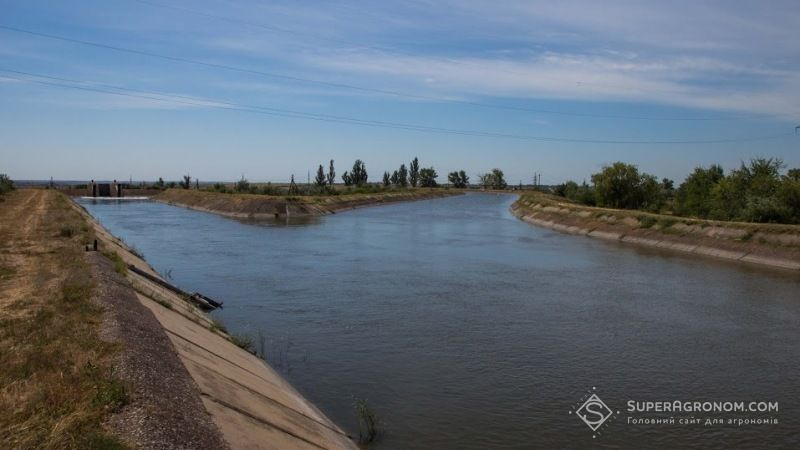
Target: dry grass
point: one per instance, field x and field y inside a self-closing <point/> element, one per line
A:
<point x="56" y="381"/>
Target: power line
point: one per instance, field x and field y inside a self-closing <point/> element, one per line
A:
<point x="328" y="83"/>
<point x="210" y="103"/>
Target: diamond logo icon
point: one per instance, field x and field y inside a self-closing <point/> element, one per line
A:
<point x="594" y="412"/>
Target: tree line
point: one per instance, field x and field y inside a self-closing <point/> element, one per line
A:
<point x="758" y="191"/>
<point x="355" y="180"/>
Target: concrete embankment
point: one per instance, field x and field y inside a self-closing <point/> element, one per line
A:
<point x="251" y="206"/>
<point x="769" y="245"/>
<point x="250" y="403"/>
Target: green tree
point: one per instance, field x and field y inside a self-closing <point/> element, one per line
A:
<point x="358" y="175"/>
<point x="395" y="179"/>
<point x="242" y="185"/>
<point x="387" y="180"/>
<point x="414" y="175"/>
<point x="160" y="183"/>
<point x="402" y="176"/>
<point x="693" y="197"/>
<point x="320" y="180"/>
<point x="618" y="186"/>
<point x="187" y="182"/>
<point x="454" y="179"/>
<point x="458" y="179"/>
<point x="493" y="180"/>
<point x="761" y="183"/>
<point x="331" y="174"/>
<point x="427" y="177"/>
<point x="464" y="179"/>
<point x="652" y="193"/>
<point x="347" y="179"/>
<point x="789" y="195"/>
<point x="568" y="190"/>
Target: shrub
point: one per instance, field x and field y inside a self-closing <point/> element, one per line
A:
<point x="647" y="221"/>
<point x="6" y="185"/>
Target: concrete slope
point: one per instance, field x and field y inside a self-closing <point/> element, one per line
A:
<point x="252" y="405"/>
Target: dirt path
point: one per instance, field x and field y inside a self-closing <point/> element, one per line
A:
<point x="23" y="258"/>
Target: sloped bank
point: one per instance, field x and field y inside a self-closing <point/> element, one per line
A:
<point x="253" y="206"/>
<point x="770" y="245"/>
<point x="250" y="404"/>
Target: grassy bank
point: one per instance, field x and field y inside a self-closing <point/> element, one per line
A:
<point x="264" y="206"/>
<point x="56" y="381"/>
<point x="767" y="244"/>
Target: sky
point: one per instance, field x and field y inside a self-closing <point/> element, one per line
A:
<point x="220" y="89"/>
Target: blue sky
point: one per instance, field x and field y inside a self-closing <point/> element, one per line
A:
<point x="515" y="70"/>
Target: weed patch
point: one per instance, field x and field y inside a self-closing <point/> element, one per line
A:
<point x="119" y="265"/>
<point x="647" y="221"/>
<point x="244" y="341"/>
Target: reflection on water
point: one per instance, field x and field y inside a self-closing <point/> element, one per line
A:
<point x="283" y="221"/>
<point x="465" y="328"/>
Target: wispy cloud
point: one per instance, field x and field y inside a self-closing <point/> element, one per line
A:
<point x="699" y="55"/>
<point x="683" y="81"/>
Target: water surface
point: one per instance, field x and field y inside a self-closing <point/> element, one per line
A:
<point x="465" y="328"/>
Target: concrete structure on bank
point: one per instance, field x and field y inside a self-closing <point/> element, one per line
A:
<point x="112" y="189"/>
<point x="251" y="404"/>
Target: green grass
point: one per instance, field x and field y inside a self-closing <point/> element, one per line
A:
<point x="647" y="221"/>
<point x="243" y="341"/>
<point x="120" y="266"/>
<point x="217" y="325"/>
<point x="163" y="303"/>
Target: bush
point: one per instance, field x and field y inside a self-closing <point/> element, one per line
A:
<point x="6" y="184"/>
<point x="242" y="185"/>
<point x="647" y="221"/>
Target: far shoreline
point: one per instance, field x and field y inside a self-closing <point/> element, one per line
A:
<point x="261" y="207"/>
<point x="772" y="246"/>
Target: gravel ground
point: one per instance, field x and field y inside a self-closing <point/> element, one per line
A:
<point x="165" y="410"/>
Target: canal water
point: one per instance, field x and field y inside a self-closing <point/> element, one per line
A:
<point x="465" y="328"/>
